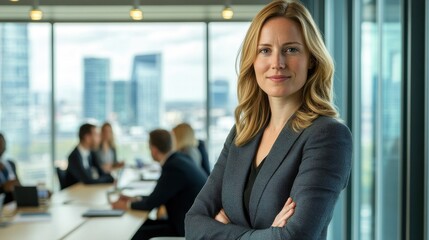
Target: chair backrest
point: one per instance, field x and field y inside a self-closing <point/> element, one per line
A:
<point x="62" y="177"/>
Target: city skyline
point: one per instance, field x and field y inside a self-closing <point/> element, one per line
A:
<point x="15" y="86"/>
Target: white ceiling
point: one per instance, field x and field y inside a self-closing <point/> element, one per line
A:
<point x="117" y="10"/>
<point x="129" y="2"/>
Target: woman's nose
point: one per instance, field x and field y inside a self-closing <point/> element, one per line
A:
<point x="278" y="61"/>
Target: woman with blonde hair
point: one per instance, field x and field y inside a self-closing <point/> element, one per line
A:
<point x="107" y="151"/>
<point x="288" y="157"/>
<point x="186" y="143"/>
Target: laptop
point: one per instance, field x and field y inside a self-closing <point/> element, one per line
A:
<point x="26" y="196"/>
<point x="103" y="213"/>
<point x="2" y="196"/>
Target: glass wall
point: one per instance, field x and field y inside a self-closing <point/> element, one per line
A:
<point x="25" y="90"/>
<point x="379" y="119"/>
<point x="336" y="43"/>
<point x="136" y="76"/>
<point x="224" y="46"/>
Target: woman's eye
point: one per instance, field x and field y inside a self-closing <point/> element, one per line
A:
<point x="291" y="50"/>
<point x="264" y="50"/>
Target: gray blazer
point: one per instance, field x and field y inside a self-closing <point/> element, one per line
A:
<point x="311" y="166"/>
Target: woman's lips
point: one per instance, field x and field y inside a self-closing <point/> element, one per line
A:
<point x="278" y="78"/>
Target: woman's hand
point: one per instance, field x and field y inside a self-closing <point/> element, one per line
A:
<point x="221" y="217"/>
<point x="284" y="214"/>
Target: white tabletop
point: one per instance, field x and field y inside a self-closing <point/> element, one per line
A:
<point x="66" y="221"/>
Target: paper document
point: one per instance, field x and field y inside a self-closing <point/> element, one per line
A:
<point x="140" y="188"/>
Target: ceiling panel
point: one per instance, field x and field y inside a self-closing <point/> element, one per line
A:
<point x="130" y="2"/>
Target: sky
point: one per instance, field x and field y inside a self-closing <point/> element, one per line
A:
<point x="182" y="46"/>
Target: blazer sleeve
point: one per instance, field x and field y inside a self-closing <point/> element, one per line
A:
<point x="169" y="184"/>
<point x="323" y="173"/>
<point x="199" y="221"/>
<point x="76" y="170"/>
<point x="13" y="165"/>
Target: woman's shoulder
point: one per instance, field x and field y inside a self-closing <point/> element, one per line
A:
<point x="324" y="124"/>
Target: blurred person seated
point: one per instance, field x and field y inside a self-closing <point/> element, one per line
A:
<point x="186" y="143"/>
<point x="107" y="150"/>
<point x="180" y="182"/>
<point x="205" y="164"/>
<point x="8" y="177"/>
<point x="83" y="165"/>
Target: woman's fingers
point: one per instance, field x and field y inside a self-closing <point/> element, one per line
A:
<point x="286" y="212"/>
<point x="221" y="217"/>
<point x="283" y="220"/>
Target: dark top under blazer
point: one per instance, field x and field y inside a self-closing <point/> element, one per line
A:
<point x="180" y="182"/>
<point x="76" y="172"/>
<point x="312" y="166"/>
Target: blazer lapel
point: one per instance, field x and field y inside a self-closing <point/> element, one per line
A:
<point x="236" y="177"/>
<point x="277" y="154"/>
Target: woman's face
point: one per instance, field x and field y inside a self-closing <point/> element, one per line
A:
<point x="107" y="132"/>
<point x="282" y="62"/>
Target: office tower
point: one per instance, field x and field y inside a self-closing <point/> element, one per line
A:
<point x="96" y="88"/>
<point x="15" y="88"/>
<point x="121" y="101"/>
<point x="220" y="94"/>
<point x="146" y="91"/>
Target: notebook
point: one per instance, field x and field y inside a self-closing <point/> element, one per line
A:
<point x="103" y="213"/>
<point x="2" y="196"/>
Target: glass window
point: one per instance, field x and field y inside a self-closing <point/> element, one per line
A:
<point x="224" y="45"/>
<point x="379" y="119"/>
<point x="25" y="92"/>
<point x="335" y="32"/>
<point x="136" y="76"/>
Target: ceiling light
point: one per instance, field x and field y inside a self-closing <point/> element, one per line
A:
<point x="227" y="12"/>
<point x="35" y="13"/>
<point x="135" y="13"/>
<point x="14" y="0"/>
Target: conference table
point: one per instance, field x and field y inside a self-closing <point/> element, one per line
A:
<point x="66" y="222"/>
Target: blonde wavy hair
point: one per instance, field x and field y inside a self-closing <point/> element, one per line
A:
<point x="185" y="136"/>
<point x="111" y="141"/>
<point x="253" y="110"/>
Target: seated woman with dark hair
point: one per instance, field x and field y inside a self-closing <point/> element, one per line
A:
<point x="8" y="177"/>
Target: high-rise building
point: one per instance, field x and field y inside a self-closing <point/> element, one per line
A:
<point x="220" y="94"/>
<point x="97" y="93"/>
<point x="146" y="91"/>
<point x="15" y="87"/>
<point x="121" y="101"/>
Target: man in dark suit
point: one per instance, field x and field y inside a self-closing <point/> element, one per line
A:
<point x="8" y="177"/>
<point x="180" y="182"/>
<point x="82" y="162"/>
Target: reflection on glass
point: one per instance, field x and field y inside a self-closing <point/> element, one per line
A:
<point x="24" y="99"/>
<point x="380" y="117"/>
<point x="224" y="44"/>
<point x="136" y="76"/>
